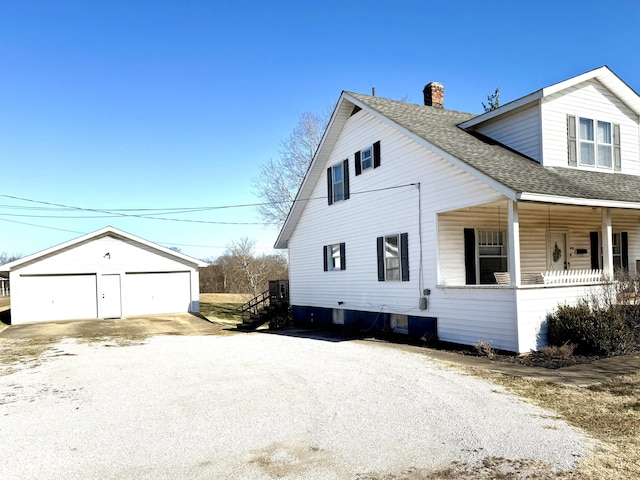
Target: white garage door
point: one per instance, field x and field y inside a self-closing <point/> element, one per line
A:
<point x="153" y="293"/>
<point x="60" y="297"/>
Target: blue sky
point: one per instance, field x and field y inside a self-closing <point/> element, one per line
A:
<point x="114" y="105"/>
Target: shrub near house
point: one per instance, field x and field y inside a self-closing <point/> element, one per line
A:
<point x="597" y="325"/>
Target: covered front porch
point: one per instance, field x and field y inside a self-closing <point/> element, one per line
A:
<point x="510" y="243"/>
<point x="503" y="267"/>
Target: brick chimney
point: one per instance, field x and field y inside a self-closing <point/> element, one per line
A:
<point x="434" y="95"/>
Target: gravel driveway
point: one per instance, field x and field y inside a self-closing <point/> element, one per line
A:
<point x="259" y="406"/>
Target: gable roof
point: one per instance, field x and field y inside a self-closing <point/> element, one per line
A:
<point x="103" y="232"/>
<point x="603" y="74"/>
<point x="516" y="176"/>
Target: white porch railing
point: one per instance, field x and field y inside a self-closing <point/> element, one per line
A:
<point x="563" y="277"/>
<point x="553" y="277"/>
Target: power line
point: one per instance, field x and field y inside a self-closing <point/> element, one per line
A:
<point x="160" y="211"/>
<point x="159" y="243"/>
<point x="41" y="226"/>
<point x="174" y="210"/>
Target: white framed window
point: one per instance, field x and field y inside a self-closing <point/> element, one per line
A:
<point x="393" y="258"/>
<point x="595" y="143"/>
<point x="491" y="255"/>
<point x="366" y="158"/>
<point x="399" y="323"/>
<point x="338" y="182"/>
<point x="334" y="257"/>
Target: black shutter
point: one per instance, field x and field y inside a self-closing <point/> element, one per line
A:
<point x="343" y="258"/>
<point x="595" y="250"/>
<point x="571" y="141"/>
<point x="329" y="187"/>
<point x="617" y="158"/>
<point x="624" y="241"/>
<point x="325" y="256"/>
<point x="358" y="164"/>
<point x="345" y="171"/>
<point x="380" y="242"/>
<point x="404" y="256"/>
<point x="376" y="154"/>
<point x="470" y="256"/>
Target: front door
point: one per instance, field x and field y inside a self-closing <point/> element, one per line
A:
<point x="557" y="251"/>
<point x="111" y="305"/>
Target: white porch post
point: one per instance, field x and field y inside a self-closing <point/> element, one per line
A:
<point x="514" y="243"/>
<point x="607" y="247"/>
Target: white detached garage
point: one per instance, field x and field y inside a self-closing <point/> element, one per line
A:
<point x="105" y="274"/>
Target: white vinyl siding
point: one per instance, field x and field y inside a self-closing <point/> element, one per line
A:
<point x="483" y="312"/>
<point x="367" y="216"/>
<point x="519" y="130"/>
<point x="592" y="101"/>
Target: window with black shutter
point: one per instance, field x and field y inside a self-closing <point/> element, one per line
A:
<point x="393" y="258"/>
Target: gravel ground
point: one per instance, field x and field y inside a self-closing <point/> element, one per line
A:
<point x="259" y="406"/>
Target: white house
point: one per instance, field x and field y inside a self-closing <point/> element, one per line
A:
<point x="414" y="218"/>
<point x="105" y="274"/>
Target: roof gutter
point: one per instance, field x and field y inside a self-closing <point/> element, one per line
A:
<point x="585" y="202"/>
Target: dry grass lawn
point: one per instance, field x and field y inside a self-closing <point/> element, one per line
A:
<point x="224" y="298"/>
<point x="609" y="412"/>
<point x="223" y="308"/>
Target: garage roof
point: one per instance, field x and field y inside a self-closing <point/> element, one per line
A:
<point x="103" y="232"/>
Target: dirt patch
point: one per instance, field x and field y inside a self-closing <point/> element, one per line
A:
<point x="548" y="357"/>
<point x="23" y="353"/>
<point x="4" y="303"/>
<point x="490" y="468"/>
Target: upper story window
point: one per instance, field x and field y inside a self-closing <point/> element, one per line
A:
<point x="367" y="158"/>
<point x="593" y="143"/>
<point x="596" y="144"/>
<point x="338" y="182"/>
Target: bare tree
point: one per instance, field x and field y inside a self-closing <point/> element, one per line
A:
<point x="239" y="270"/>
<point x="493" y="101"/>
<point x="278" y="180"/>
<point x="213" y="277"/>
<point x="246" y="274"/>
<point x="6" y="258"/>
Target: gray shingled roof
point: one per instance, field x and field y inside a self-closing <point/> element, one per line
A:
<point x="517" y="172"/>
